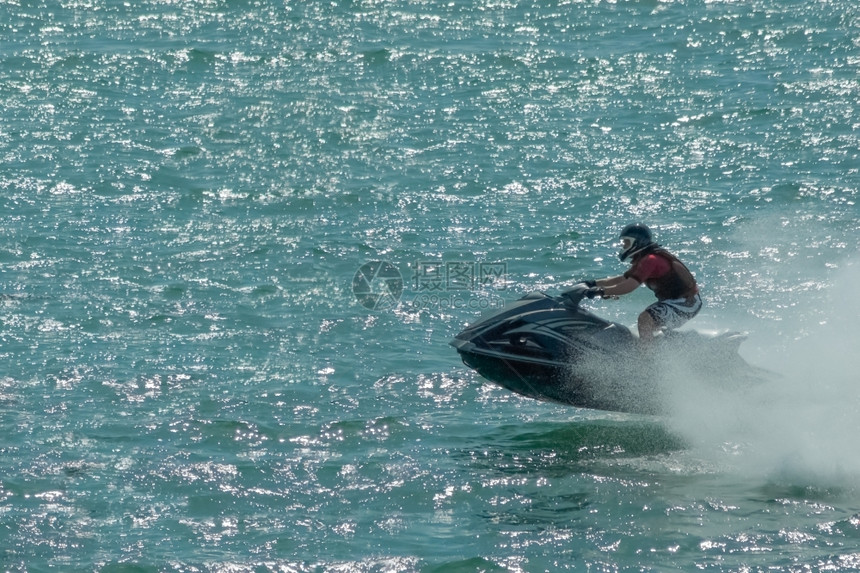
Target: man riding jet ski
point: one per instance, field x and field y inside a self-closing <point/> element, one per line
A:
<point x="673" y="284"/>
<point x="549" y="348"/>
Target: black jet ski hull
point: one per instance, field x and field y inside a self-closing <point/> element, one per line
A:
<point x="547" y="348"/>
<point x="558" y="384"/>
<point x="533" y="378"/>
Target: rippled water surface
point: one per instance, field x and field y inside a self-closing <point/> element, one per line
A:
<point x="188" y="382"/>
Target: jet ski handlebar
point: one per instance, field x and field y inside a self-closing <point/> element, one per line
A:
<point x="574" y="295"/>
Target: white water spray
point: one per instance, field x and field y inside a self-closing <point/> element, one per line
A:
<point x="803" y="427"/>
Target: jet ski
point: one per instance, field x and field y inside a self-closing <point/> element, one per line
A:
<point x="550" y="348"/>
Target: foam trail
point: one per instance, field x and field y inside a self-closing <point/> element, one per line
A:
<point x="804" y="427"/>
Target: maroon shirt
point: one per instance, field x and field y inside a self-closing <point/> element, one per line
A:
<point x="663" y="273"/>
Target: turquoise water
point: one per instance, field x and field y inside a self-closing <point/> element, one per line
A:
<point x="189" y="383"/>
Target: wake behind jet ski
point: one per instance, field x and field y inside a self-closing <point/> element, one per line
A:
<point x="549" y="348"/>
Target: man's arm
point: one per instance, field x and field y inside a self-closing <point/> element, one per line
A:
<point x="609" y="281"/>
<point x="617" y="286"/>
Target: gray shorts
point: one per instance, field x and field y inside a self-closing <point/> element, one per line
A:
<point x="672" y="313"/>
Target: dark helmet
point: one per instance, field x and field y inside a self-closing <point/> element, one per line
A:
<point x="638" y="237"/>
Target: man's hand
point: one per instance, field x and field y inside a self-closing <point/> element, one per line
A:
<point x="594" y="291"/>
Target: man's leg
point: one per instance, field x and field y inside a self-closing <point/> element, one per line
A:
<point x="647" y="327"/>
